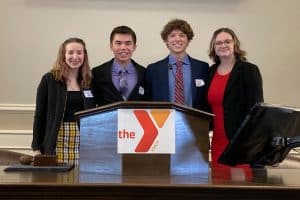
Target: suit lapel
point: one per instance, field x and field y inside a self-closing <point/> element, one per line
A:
<point x="108" y="75"/>
<point x="165" y="73"/>
<point x="194" y="72"/>
<point x="138" y="79"/>
<point x="234" y="74"/>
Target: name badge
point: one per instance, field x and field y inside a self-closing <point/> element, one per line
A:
<point x="141" y="90"/>
<point x="199" y="82"/>
<point x="88" y="94"/>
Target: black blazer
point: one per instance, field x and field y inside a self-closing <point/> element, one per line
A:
<point x="104" y="89"/>
<point x="158" y="81"/>
<point x="244" y="89"/>
<point x="49" y="110"/>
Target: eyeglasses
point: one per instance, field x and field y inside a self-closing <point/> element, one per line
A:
<point x="225" y="42"/>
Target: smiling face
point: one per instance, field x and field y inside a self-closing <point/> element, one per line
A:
<point x="177" y="42"/>
<point x="122" y="47"/>
<point x="74" y="56"/>
<point x="224" y="45"/>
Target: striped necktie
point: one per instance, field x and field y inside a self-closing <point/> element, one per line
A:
<point x="179" y="94"/>
<point x="123" y="84"/>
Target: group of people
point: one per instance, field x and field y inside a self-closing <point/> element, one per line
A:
<point x="228" y="89"/>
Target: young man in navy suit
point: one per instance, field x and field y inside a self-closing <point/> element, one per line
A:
<point x="121" y="78"/>
<point x="162" y="76"/>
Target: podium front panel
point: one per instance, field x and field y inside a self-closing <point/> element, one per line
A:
<point x="191" y="157"/>
<point x="98" y="142"/>
<point x="98" y="148"/>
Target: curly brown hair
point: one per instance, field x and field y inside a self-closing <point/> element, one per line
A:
<point x="60" y="68"/>
<point x="239" y="53"/>
<point x="177" y="24"/>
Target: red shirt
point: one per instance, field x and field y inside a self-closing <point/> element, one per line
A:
<point x="215" y="100"/>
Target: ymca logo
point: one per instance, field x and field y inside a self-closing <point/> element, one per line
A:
<point x="150" y="131"/>
<point x="146" y="131"/>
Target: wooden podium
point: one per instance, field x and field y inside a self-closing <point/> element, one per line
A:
<point x="98" y="143"/>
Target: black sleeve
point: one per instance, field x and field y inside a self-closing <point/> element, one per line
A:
<point x="253" y="86"/>
<point x="95" y="88"/>
<point x="40" y="116"/>
<point x="148" y="86"/>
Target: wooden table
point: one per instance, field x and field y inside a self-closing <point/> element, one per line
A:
<point x="274" y="183"/>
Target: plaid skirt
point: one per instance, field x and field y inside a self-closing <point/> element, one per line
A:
<point x="67" y="144"/>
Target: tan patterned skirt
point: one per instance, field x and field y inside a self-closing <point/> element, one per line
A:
<point x="67" y="146"/>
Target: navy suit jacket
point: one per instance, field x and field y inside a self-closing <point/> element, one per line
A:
<point x="157" y="77"/>
<point x="104" y="89"/>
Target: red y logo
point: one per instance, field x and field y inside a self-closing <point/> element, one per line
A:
<point x="150" y="131"/>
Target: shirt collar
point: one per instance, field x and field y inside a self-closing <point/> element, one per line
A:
<point x="185" y="60"/>
<point x="116" y="67"/>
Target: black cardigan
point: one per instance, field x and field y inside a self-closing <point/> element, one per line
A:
<point x="50" y="107"/>
<point x="244" y="89"/>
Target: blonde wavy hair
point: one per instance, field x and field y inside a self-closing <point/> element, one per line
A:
<point x="60" y="68"/>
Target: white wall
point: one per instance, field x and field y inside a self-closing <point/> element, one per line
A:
<point x="32" y="30"/>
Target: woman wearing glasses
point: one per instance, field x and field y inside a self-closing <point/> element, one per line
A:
<point x="234" y="86"/>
